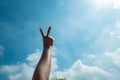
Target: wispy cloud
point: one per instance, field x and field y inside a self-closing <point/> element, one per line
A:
<point x="115" y="33"/>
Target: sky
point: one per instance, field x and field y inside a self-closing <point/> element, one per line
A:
<point x="86" y="34"/>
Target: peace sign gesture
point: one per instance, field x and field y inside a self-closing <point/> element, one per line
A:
<point x="47" y="40"/>
<point x="42" y="70"/>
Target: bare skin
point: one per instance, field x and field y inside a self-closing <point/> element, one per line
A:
<point x="42" y="70"/>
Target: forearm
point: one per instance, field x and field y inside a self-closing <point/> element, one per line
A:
<point x="44" y="64"/>
<point x="46" y="56"/>
<point x="43" y="68"/>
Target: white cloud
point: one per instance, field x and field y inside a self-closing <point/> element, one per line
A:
<point x="34" y="58"/>
<point x="54" y="65"/>
<point x="110" y="61"/>
<point x="101" y="67"/>
<point x="80" y="71"/>
<point x="115" y="57"/>
<point x="17" y="72"/>
<point x="9" y="69"/>
<point x="24" y="70"/>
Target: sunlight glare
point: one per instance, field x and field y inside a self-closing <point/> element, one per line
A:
<point x="116" y="4"/>
<point x="101" y="3"/>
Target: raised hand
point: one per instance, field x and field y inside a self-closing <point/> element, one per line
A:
<point x="47" y="40"/>
<point x="42" y="70"/>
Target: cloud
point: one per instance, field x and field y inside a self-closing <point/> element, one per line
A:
<point x="1" y="50"/>
<point x="24" y="70"/>
<point x="108" y="38"/>
<point x="116" y="4"/>
<point x="111" y="62"/>
<point x="8" y="69"/>
<point x="20" y="71"/>
<point x="114" y="56"/>
<point x="115" y="33"/>
<point x="100" y="67"/>
<point x="80" y="71"/>
<point x="33" y="58"/>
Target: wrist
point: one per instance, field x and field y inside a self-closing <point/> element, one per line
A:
<point x="47" y="47"/>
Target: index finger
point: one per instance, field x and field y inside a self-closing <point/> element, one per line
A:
<point x="41" y="31"/>
<point x="48" y="32"/>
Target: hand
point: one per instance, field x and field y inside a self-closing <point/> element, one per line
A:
<point x="47" y="40"/>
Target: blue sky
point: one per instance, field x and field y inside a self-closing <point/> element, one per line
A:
<point x="86" y="33"/>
